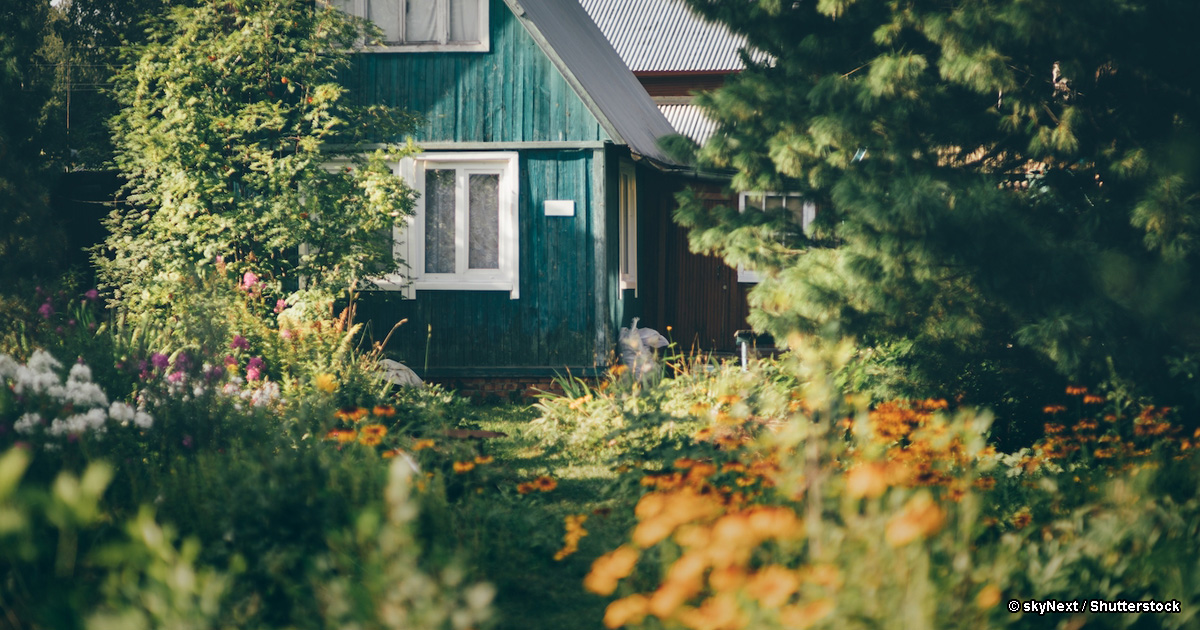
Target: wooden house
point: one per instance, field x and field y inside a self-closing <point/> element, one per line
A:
<point x="539" y="178"/>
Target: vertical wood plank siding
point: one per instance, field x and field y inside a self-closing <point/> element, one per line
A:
<point x="511" y="94"/>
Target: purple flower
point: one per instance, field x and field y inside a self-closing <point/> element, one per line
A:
<point x="182" y="362"/>
<point x="280" y="305"/>
<point x="215" y="373"/>
<point x="254" y="369"/>
<point x="230" y="360"/>
<point x="249" y="281"/>
<point x="239" y="343"/>
<point x="46" y="310"/>
<point x="92" y="295"/>
<point x="159" y="360"/>
<point x="187" y="441"/>
<point x="70" y="323"/>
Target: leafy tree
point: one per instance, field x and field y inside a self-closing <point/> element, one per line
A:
<point x="1003" y="187"/>
<point x="242" y="152"/>
<point x="26" y="230"/>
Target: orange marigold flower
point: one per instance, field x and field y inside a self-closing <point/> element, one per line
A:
<point x="1022" y="518"/>
<point x="920" y="517"/>
<point x="483" y="460"/>
<point x="462" y="467"/>
<point x="384" y="411"/>
<point x="545" y="484"/>
<point x="525" y="488"/>
<point x="377" y="430"/>
<point x="341" y="435"/>
<point x="866" y="480"/>
<point x="988" y="596"/>
<point x="422" y="444"/>
<point x="1076" y="390"/>
<point x="1053" y="409"/>
<point x="629" y="610"/>
<point x="367" y="439"/>
<point x="1052" y="428"/>
<point x="610" y="569"/>
<point x="806" y="615"/>
<point x="1092" y="399"/>
<point x="390" y="453"/>
<point x="703" y="434"/>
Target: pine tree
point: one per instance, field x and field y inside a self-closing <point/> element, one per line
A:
<point x="1002" y="186"/>
<point x="242" y="153"/>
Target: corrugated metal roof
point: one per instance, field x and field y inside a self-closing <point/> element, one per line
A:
<point x="665" y="36"/>
<point x="689" y="120"/>
<point x="591" y="65"/>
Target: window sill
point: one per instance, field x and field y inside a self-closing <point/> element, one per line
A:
<point x="480" y="47"/>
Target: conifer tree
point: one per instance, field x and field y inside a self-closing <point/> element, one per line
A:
<point x="1002" y="186"/>
<point x="242" y="153"/>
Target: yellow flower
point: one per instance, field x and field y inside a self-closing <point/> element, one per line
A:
<point x="545" y="484"/>
<point x="390" y="453"/>
<point x="462" y="467"/>
<point x="368" y="439"/>
<point x="610" y="569"/>
<point x="484" y="459"/>
<point x="342" y="435"/>
<point x="422" y="444"/>
<point x="988" y="596"/>
<point x="384" y="411"/>
<point x="326" y="383"/>
<point x="574" y="532"/>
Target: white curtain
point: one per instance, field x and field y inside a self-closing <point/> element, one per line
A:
<point x="439" y="221"/>
<point x="464" y="21"/>
<point x="386" y="14"/>
<point x="484" y="221"/>
<point x="420" y="21"/>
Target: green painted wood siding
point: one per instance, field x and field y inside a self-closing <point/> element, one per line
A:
<point x="511" y="94"/>
<point x="552" y="325"/>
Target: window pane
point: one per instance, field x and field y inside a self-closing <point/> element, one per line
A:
<point x="386" y="15"/>
<point x="464" y="21"/>
<point x="420" y="22"/>
<point x="346" y="6"/>
<point x="439" y="221"/>
<point x="484" y="219"/>
<point x="774" y="202"/>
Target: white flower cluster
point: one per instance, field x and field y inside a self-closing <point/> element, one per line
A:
<point x="85" y="403"/>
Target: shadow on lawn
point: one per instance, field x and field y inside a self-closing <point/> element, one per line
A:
<point x="511" y="538"/>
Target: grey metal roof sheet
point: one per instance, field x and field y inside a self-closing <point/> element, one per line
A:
<point x="591" y="65"/>
<point x="689" y="120"/>
<point x="665" y="36"/>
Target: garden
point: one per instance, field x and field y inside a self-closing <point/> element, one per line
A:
<point x="981" y="412"/>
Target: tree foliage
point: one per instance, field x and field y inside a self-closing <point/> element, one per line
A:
<point x="26" y="230"/>
<point x="240" y="148"/>
<point x="1001" y="185"/>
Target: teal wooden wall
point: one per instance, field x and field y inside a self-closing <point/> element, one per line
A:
<point x="511" y="94"/>
<point x="552" y="325"/>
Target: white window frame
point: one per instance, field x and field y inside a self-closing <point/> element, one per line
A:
<point x="808" y="212"/>
<point x="443" y="25"/>
<point x="410" y="240"/>
<point x="627" y="226"/>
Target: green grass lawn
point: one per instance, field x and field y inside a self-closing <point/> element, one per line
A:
<point x="514" y="538"/>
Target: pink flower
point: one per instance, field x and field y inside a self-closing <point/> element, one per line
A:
<point x="280" y="305"/>
<point x="92" y="295"/>
<point x="230" y="360"/>
<point x="249" y="281"/>
<point x="254" y="369"/>
<point x="46" y="310"/>
<point x="239" y="343"/>
<point x="287" y="334"/>
<point x="176" y="377"/>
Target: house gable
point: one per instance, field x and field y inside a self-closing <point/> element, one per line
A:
<point x="512" y="93"/>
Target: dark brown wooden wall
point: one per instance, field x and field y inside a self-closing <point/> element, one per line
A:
<point x="698" y="296"/>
